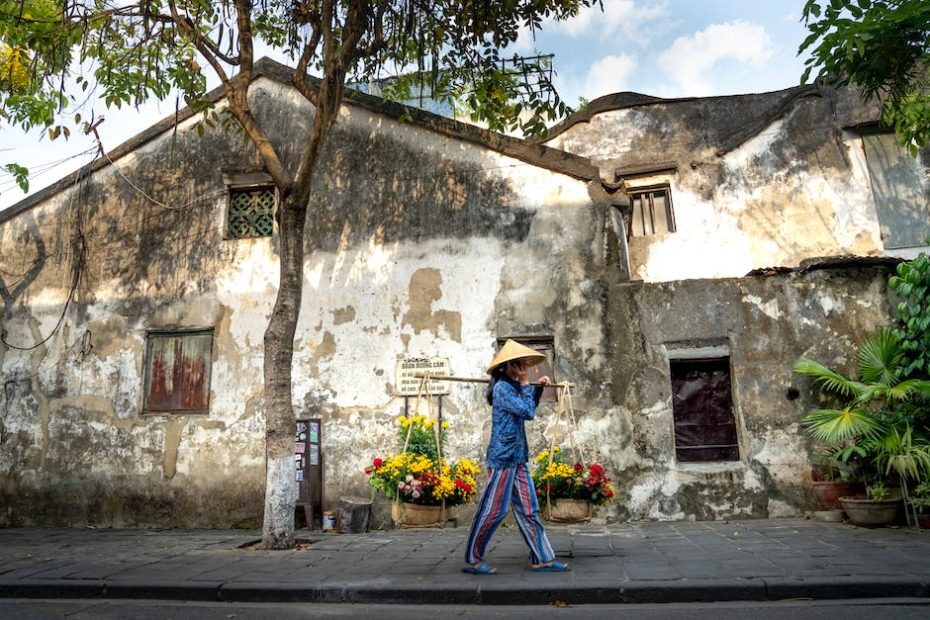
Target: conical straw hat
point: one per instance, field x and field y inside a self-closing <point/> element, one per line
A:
<point x="513" y="351"/>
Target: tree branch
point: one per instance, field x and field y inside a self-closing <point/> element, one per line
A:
<point x="300" y="73"/>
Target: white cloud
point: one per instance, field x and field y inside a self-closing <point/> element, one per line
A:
<point x="689" y="60"/>
<point x="525" y="42"/>
<point x="609" y="74"/>
<point x="619" y="18"/>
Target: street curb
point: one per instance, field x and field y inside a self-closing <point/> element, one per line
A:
<point x="692" y="591"/>
<point x="487" y="592"/>
<point x="852" y="587"/>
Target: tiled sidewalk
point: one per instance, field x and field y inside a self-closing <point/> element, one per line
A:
<point x="631" y="562"/>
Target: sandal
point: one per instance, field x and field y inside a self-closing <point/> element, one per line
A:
<point x="552" y="567"/>
<point x="479" y="569"/>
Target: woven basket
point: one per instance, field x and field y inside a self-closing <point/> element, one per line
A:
<point x="415" y="515"/>
<point x="567" y="511"/>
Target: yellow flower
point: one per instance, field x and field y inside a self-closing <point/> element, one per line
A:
<point x="14" y="67"/>
<point x="467" y="467"/>
<point x="445" y="425"/>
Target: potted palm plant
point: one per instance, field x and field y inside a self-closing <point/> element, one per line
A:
<point x="875" y="425"/>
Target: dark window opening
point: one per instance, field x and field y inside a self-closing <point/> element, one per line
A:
<point x="545" y="345"/>
<point x="177" y="372"/>
<point x="651" y="211"/>
<point x="251" y="212"/>
<point x="705" y="429"/>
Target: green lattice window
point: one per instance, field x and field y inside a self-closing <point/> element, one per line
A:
<point x="251" y="212"/>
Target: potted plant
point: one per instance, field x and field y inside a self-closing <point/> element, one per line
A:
<point x="421" y="484"/>
<point x="833" y="478"/>
<point x="566" y="492"/>
<point x="875" y="423"/>
<point x="877" y="507"/>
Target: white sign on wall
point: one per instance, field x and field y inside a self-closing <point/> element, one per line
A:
<point x="406" y="383"/>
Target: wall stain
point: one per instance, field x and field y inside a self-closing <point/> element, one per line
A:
<point x="343" y="315"/>
<point x="424" y="289"/>
<point x="173" y="428"/>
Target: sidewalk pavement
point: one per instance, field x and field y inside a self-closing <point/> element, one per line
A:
<point x="621" y="563"/>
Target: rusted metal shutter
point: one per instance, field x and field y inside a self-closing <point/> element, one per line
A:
<point x="178" y="368"/>
<point x="705" y="429"/>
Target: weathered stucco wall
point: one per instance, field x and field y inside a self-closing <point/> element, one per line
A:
<point x="419" y="244"/>
<point x="760" y="180"/>
<point x="765" y="323"/>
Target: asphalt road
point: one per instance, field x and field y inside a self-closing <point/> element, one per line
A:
<point x="860" y="609"/>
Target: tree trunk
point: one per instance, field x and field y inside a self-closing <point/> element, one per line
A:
<point x="280" y="422"/>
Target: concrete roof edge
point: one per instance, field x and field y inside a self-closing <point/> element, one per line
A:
<point x="531" y="152"/>
<point x="628" y="100"/>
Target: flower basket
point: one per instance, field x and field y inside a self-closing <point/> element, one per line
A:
<point x="567" y="511"/>
<point x="421" y="484"/>
<point x="567" y="492"/>
<point x="408" y="515"/>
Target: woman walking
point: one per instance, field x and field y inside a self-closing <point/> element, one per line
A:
<point x="513" y="401"/>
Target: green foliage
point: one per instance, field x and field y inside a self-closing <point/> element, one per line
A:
<point x="878" y="491"/>
<point x="912" y="284"/>
<point x="420" y="434"/>
<point x="876" y="424"/>
<point x="20" y="174"/>
<point x="881" y="46"/>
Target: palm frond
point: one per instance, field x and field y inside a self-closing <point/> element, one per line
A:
<point x="917" y="388"/>
<point x="903" y="453"/>
<point x="830" y="380"/>
<point x="880" y="358"/>
<point x="835" y="425"/>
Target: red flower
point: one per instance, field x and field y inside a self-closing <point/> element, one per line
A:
<point x="596" y="470"/>
<point x="377" y="462"/>
<point x="579" y="468"/>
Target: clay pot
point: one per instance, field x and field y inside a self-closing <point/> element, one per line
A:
<point x="871" y="512"/>
<point x="829" y="493"/>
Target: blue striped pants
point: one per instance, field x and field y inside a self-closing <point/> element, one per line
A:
<point x="509" y="485"/>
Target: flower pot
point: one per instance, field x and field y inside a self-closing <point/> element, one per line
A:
<point x="871" y="512"/>
<point x="415" y="515"/>
<point x="567" y="511"/>
<point x="829" y="492"/>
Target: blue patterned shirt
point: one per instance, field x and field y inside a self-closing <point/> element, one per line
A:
<point x="513" y="405"/>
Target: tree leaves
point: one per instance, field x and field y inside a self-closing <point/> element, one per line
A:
<point x="881" y="46"/>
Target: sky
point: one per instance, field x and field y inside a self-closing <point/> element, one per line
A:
<point x="664" y="48"/>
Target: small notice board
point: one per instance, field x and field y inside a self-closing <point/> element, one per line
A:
<point x="308" y="467"/>
<point x="406" y="383"/>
